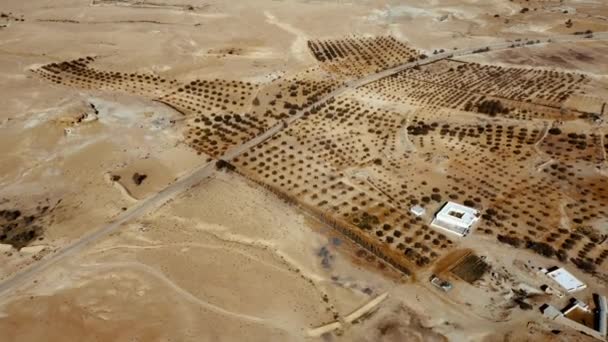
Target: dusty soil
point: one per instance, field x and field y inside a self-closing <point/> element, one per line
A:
<point x="311" y="224"/>
<point x="192" y="271"/>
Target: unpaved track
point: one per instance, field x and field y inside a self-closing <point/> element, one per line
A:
<point x="203" y="172"/>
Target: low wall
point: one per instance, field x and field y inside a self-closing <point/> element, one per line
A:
<point x="579" y="327"/>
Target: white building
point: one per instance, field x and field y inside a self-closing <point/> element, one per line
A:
<point x="455" y="218"/>
<point x="417" y="210"/>
<point x="566" y="280"/>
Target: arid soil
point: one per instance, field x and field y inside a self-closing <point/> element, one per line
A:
<point x="226" y="261"/>
<point x="108" y="105"/>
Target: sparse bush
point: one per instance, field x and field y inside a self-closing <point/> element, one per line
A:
<point x="510" y="240"/>
<point x="541" y="248"/>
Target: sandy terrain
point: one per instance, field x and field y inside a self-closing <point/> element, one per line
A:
<point x="223" y="262"/>
<point x="225" y="257"/>
<point x="204" y="171"/>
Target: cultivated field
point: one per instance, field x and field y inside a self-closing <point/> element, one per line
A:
<point x="259" y="175"/>
<point x="496" y="138"/>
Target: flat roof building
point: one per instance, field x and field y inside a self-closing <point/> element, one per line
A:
<point x="417" y="210"/>
<point x="566" y="280"/>
<point x="455" y="218"/>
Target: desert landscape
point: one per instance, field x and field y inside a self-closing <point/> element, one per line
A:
<point x="304" y="170"/>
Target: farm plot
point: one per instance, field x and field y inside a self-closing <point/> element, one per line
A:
<point x="471" y="268"/>
<point x="489" y="137"/>
<point x="219" y="114"/>
<point x="358" y="56"/>
<point x="330" y="162"/>
<point x="518" y="93"/>
<point x="361" y="168"/>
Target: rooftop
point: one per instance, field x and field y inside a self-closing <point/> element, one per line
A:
<point x="417" y="210"/>
<point x="455" y="218"/>
<point x="566" y="280"/>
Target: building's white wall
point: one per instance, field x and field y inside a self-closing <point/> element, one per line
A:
<point x="469" y="215"/>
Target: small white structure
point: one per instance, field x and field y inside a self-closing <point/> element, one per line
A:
<point x="455" y="218"/>
<point x="444" y="285"/>
<point x="566" y="280"/>
<point x="584" y="306"/>
<point x="417" y="210"/>
<point x="552" y="291"/>
<point x="576" y="304"/>
<point x="552" y="312"/>
<point x="602" y="313"/>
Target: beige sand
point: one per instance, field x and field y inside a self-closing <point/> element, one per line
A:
<point x="229" y="259"/>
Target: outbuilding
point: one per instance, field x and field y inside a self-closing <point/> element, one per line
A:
<point x="566" y="280"/>
<point x="417" y="210"/>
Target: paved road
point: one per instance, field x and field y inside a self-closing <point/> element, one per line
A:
<point x="203" y="172"/>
